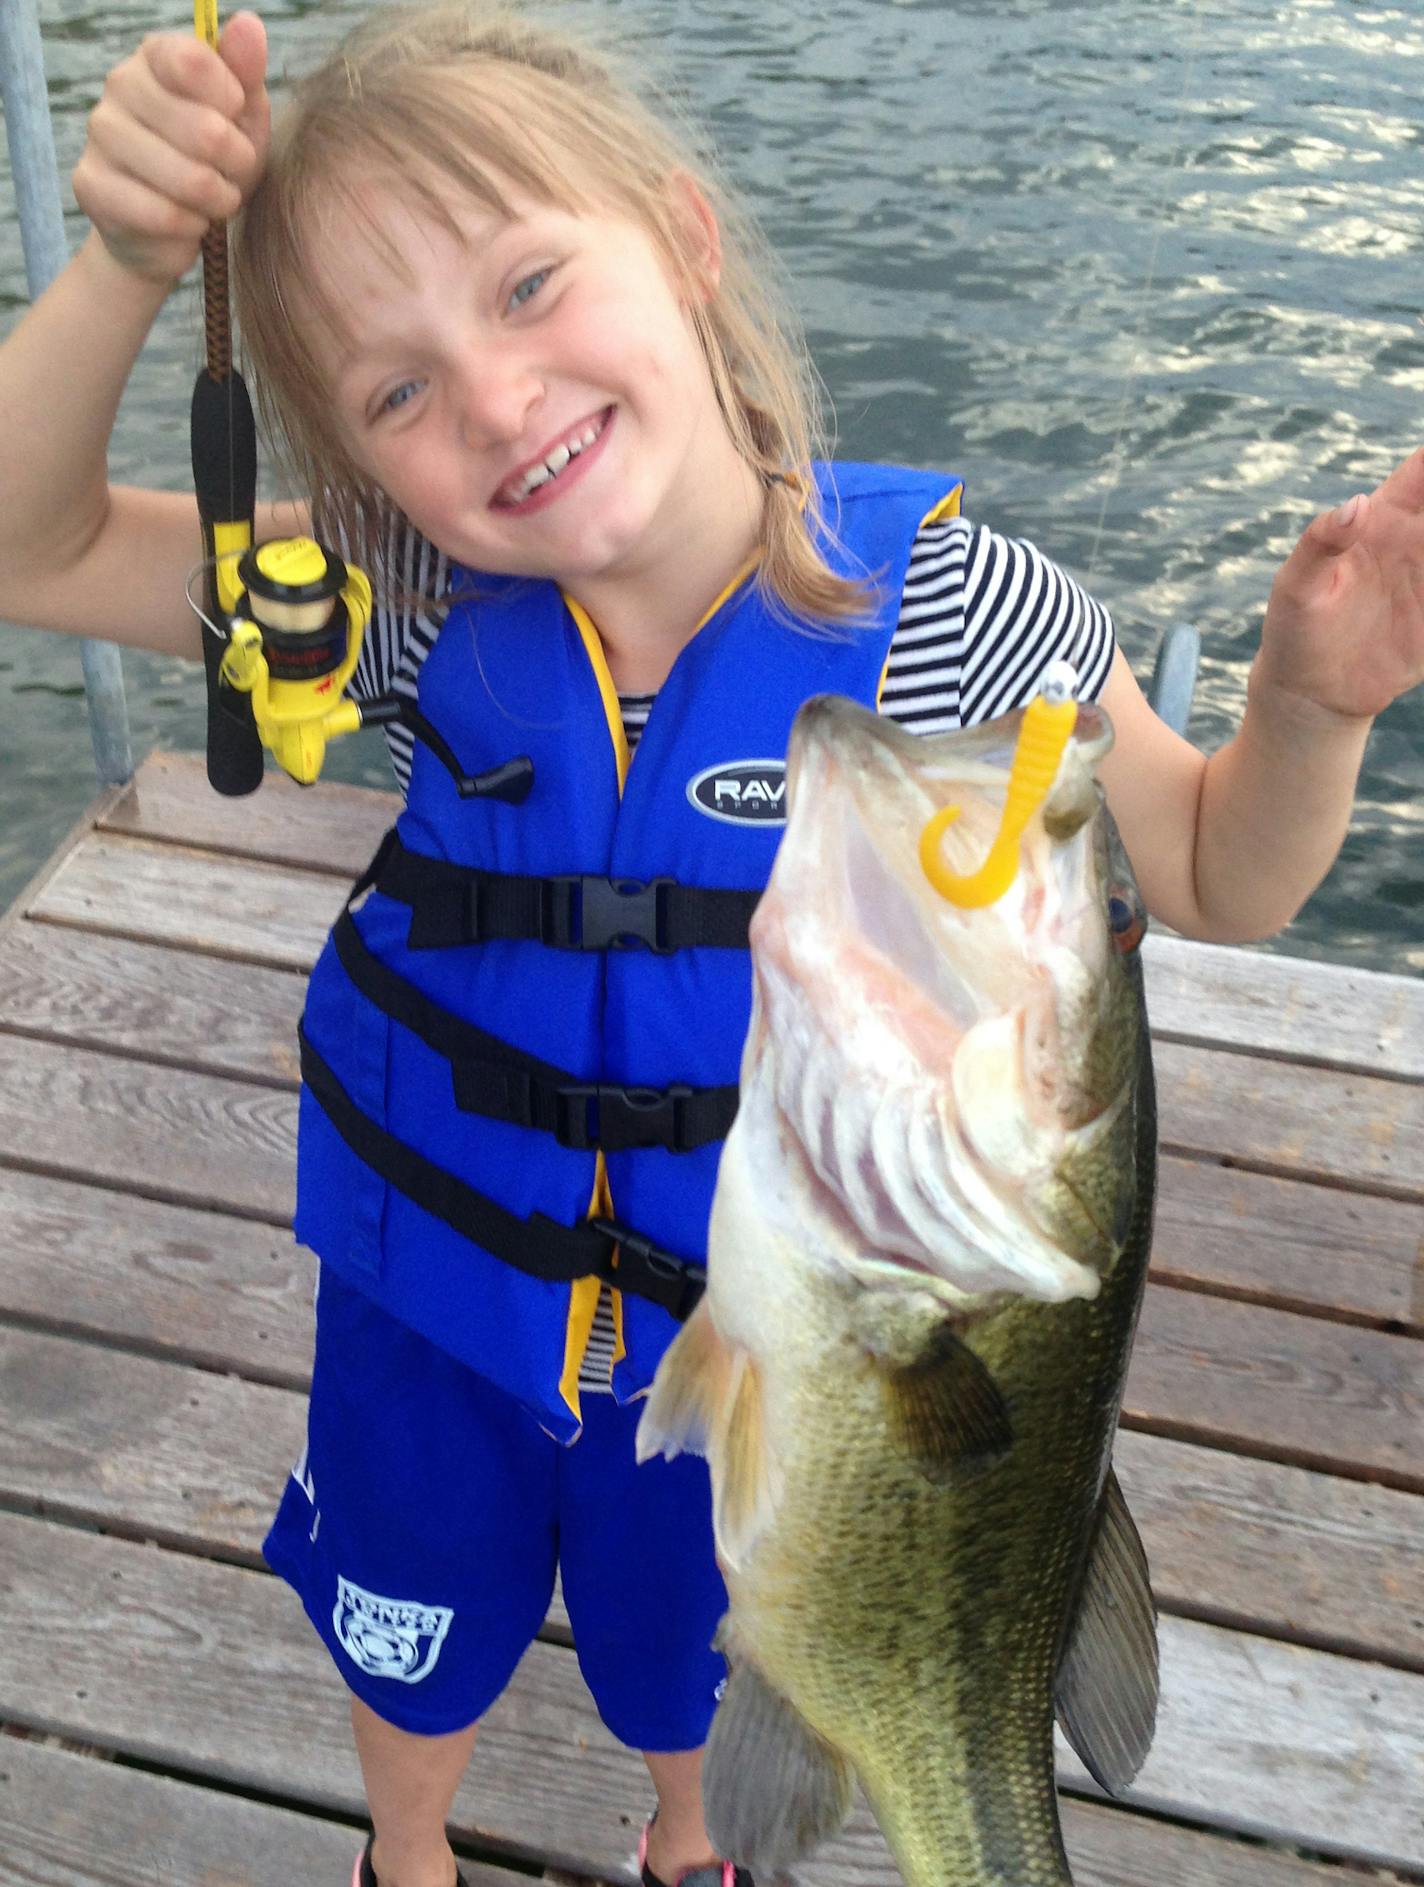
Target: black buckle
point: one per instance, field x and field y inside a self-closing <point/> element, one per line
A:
<point x="616" y="1118"/>
<point x="646" y="1270"/>
<point x="587" y="913"/>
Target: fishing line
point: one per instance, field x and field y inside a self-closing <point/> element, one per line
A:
<point x="1115" y="456"/>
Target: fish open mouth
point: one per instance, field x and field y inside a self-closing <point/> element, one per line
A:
<point x="937" y="1062"/>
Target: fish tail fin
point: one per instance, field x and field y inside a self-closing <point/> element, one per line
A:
<point x="772" y="1788"/>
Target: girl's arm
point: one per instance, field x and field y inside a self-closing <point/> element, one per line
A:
<point x="1229" y="848"/>
<point x="76" y="553"/>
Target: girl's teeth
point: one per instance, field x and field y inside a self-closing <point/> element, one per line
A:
<point x="540" y="474"/>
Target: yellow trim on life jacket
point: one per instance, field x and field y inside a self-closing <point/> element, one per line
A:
<point x="620" y="1347"/>
<point x="583" y="1303"/>
<point x="593" y="648"/>
<point x="583" y="1297"/>
<point x="948" y="507"/>
<point x="730" y="590"/>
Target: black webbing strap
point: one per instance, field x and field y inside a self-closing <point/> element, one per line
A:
<point x="494" y="1079"/>
<point x="458" y="904"/>
<point x="542" y="1246"/>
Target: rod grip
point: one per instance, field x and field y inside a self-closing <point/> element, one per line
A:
<point x="224" y="446"/>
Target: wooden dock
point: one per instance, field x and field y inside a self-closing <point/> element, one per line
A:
<point x="167" y="1716"/>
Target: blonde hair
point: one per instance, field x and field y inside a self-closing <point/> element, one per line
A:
<point x="471" y="94"/>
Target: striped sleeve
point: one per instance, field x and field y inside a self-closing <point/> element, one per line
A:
<point x="981" y="618"/>
<point x="400" y="635"/>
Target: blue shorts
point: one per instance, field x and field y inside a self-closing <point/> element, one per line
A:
<point x="425" y="1521"/>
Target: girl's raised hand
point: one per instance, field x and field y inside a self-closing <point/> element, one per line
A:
<point x="177" y="141"/>
<point x="1344" y="629"/>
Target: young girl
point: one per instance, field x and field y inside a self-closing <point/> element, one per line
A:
<point x="502" y="325"/>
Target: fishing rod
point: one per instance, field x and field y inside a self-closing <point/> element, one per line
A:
<point x="283" y="622"/>
<point x="223" y="442"/>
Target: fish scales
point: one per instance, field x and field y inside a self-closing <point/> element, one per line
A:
<point x="914" y="1614"/>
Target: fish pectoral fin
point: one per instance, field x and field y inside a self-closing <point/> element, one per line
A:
<point x="688" y="1389"/>
<point x="946" y="1410"/>
<point x="1106" y="1690"/>
<point x="706" y="1400"/>
<point x="772" y="1789"/>
<point x="745" y="1484"/>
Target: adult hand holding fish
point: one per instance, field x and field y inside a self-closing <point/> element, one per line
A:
<point x="928" y="1246"/>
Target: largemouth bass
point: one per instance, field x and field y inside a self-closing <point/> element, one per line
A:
<point x="927" y="1250"/>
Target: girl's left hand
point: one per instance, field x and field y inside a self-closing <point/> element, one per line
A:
<point x="1344" y="628"/>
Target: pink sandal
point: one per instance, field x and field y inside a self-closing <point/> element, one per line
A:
<point x="710" y="1874"/>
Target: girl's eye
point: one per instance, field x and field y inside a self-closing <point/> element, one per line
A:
<point x="396" y="397"/>
<point x="528" y="288"/>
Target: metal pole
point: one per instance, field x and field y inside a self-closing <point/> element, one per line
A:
<point x="36" y="173"/>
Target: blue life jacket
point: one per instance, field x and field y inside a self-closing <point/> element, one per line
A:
<point x="411" y="1133"/>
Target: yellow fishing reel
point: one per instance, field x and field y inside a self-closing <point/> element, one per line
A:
<point x="294" y="640"/>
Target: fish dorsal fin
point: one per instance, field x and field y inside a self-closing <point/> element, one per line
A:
<point x="745" y="1486"/>
<point x="946" y="1410"/>
<point x="687" y="1391"/>
<point x="772" y="1789"/>
<point x="1106" y="1691"/>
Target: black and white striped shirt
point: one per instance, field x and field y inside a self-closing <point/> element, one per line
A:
<point x="981" y="618"/>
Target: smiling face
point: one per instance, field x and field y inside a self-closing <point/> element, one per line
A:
<point x="527" y="387"/>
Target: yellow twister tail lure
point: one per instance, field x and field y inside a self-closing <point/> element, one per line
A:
<point x="1048" y="724"/>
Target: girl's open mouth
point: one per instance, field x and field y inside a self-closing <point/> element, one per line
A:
<point x="563" y="464"/>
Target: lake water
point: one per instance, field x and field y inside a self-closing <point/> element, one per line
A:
<point x="1149" y="275"/>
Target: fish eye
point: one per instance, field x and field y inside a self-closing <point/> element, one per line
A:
<point x="1126" y="920"/>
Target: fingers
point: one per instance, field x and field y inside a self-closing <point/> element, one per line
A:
<point x="1405" y="484"/>
<point x="243" y="46"/>
<point x="1333" y="532"/>
<point x="177" y="141"/>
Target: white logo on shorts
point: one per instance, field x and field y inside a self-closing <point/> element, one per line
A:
<point x="397" y="1638"/>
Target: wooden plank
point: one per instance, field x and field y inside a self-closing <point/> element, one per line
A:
<point x="1279" y="1551"/>
<point x="1200" y="992"/>
<point x="142" y="999"/>
<point x="165" y="1279"/>
<point x="335" y="829"/>
<point x="1108" y="1848"/>
<point x="196" y="1139"/>
<point x="1237" y="1374"/>
<point x="191" y="1458"/>
<point x="1298" y="1245"/>
<point x="180" y="1659"/>
<point x="207" y="901"/>
<point x="1295" y="1244"/>
<point x="1274" y="1740"/>
<point x="1307" y="1123"/>
<point x="1319" y="1124"/>
<point x="153" y="1449"/>
<point x="1320" y="1395"/>
<point x="1221" y="996"/>
<point x="74" y="1820"/>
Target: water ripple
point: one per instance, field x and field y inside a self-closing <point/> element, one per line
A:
<point x="969" y="198"/>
